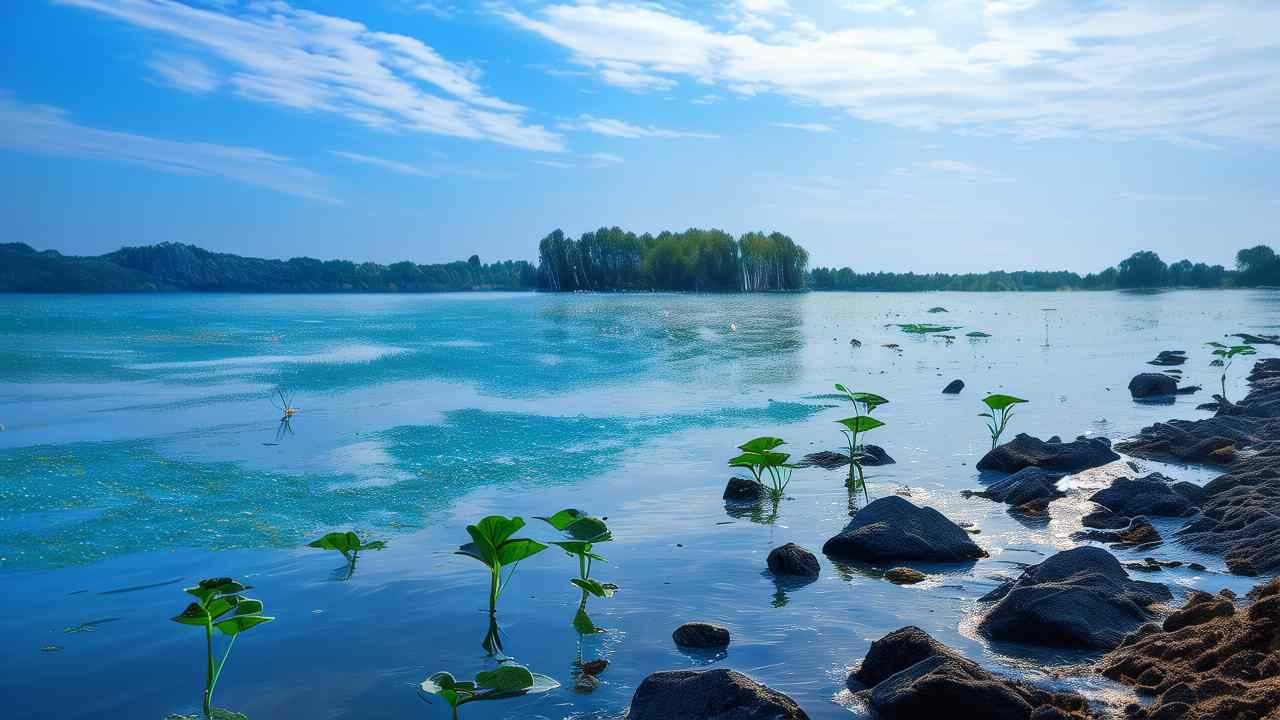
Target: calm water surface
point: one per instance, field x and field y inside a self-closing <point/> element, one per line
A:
<point x="141" y="452"/>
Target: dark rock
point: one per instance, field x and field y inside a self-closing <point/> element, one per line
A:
<point x="1208" y="406"/>
<point x="791" y="559"/>
<point x="1026" y="451"/>
<point x="1151" y="385"/>
<point x="1104" y="520"/>
<point x="907" y="675"/>
<point x="1028" y="485"/>
<point x="904" y="576"/>
<point x="1252" y="339"/>
<point x="892" y="529"/>
<point x="953" y="388"/>
<point x="594" y="667"/>
<point x="743" y="490"/>
<point x="1138" y="533"/>
<point x="1169" y="357"/>
<point x="1198" y="611"/>
<point x="872" y="455"/>
<point x="1153" y="495"/>
<point x="701" y="635"/>
<point x="719" y="694"/>
<point x="1188" y="389"/>
<point x="1076" y="598"/>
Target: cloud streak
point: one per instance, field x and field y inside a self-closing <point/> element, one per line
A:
<point x="48" y="131"/>
<point x="280" y="55"/>
<point x="610" y="127"/>
<point x="1168" y="69"/>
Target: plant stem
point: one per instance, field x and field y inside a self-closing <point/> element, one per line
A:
<point x="208" y="678"/>
<point x="494" y="578"/>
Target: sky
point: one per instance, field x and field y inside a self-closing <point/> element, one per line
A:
<point x="950" y="136"/>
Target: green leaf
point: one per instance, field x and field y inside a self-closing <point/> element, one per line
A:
<point x="594" y="587"/>
<point x="249" y="606"/>
<point x="574" y="547"/>
<point x="563" y="519"/>
<point x="514" y="551"/>
<point x="214" y="586"/>
<point x="748" y="460"/>
<point x="761" y="444"/>
<point x="496" y="528"/>
<point x="240" y="623"/>
<point x="375" y="545"/>
<point x="589" y="528"/>
<point x="871" y="400"/>
<point x="472" y="550"/>
<point x="505" y="679"/>
<point x="222" y="604"/>
<point x="439" y="681"/>
<point x="482" y="545"/>
<point x="1000" y="402"/>
<point x="861" y="423"/>
<point x="195" y="614"/>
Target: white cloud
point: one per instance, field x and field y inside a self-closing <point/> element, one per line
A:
<point x="586" y="160"/>
<point x="392" y="165"/>
<point x="950" y="170"/>
<point x="808" y="127"/>
<point x="435" y="170"/>
<point x="281" y="55"/>
<point x="622" y="129"/>
<point x="47" y="130"/>
<point x="602" y="159"/>
<point x="1169" y="69"/>
<point x="184" y="73"/>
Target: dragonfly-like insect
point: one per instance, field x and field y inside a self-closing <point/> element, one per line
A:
<point x="283" y="400"/>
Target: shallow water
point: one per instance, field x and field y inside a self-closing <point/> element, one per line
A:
<point x="141" y="452"/>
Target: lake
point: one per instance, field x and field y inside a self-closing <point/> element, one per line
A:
<point x="142" y="451"/>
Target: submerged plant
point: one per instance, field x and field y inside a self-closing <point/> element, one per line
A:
<point x="493" y="545"/>
<point x="759" y="458"/>
<point x="1228" y="353"/>
<point x="925" y="328"/>
<point x="508" y="680"/>
<point x="583" y="531"/>
<point x="1001" y="410"/>
<point x="220" y="606"/>
<point x="864" y="403"/>
<point x="347" y="543"/>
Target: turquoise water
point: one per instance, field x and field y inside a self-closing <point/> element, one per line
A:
<point x="141" y="451"/>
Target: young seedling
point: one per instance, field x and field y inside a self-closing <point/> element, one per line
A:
<point x="508" y="680"/>
<point x="220" y="606"/>
<point x="1229" y="353"/>
<point x="864" y="403"/>
<point x="583" y="531"/>
<point x="347" y="543"/>
<point x="758" y="457"/>
<point x="1001" y="410"/>
<point x="493" y="545"/>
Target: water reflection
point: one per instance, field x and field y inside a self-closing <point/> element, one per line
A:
<point x="784" y="584"/>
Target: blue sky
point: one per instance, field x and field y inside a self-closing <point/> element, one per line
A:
<point x="883" y="134"/>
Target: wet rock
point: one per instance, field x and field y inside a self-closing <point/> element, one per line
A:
<point x="1138" y="533"/>
<point x="719" y="694"/>
<point x="1152" y="385"/>
<point x="1188" y="389"/>
<point x="953" y="388"/>
<point x="1210" y="664"/>
<point x="904" y="576"/>
<point x="907" y="674"/>
<point x="1027" y="486"/>
<point x="1154" y="495"/>
<point x="1104" y="519"/>
<point x="1026" y="451"/>
<point x="892" y="529"/>
<point x="1168" y="358"/>
<point x="701" y="635"/>
<point x="594" y="667"/>
<point x="740" y="490"/>
<point x="1252" y="339"/>
<point x="791" y="559"/>
<point x="586" y="683"/>
<point x="872" y="455"/>
<point x="1076" y="598"/>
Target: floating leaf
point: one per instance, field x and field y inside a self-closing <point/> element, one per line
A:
<point x="505" y="679"/>
<point x="761" y="444"/>
<point x="861" y="423"/>
<point x="563" y="519"/>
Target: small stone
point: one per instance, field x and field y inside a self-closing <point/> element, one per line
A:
<point x="586" y="683"/>
<point x="594" y="667"/>
<point x="701" y="635"/>
<point x="953" y="388"/>
<point x="904" y="576"/>
<point x="791" y="559"/>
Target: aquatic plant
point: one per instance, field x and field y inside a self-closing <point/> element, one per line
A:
<point x="493" y="545"/>
<point x="977" y="334"/>
<point x="347" y="543"/>
<point x="583" y="531"/>
<point x="1228" y="353"/>
<point x="925" y="328"/>
<point x="1001" y="411"/>
<point x="220" y="606"/>
<point x="937" y="309"/>
<point x="864" y="403"/>
<point x="508" y="680"/>
<point x="758" y="457"/>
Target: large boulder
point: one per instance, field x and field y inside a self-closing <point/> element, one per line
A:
<point x="1154" y="495"/>
<point x="791" y="559"/>
<point x="907" y="675"/>
<point x="1076" y="598"/>
<point x="1152" y="385"/>
<point x="701" y="636"/>
<point x="719" y="694"/>
<point x="1025" y="451"/>
<point x="892" y="529"/>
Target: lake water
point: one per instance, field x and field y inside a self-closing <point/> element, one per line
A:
<point x="141" y="452"/>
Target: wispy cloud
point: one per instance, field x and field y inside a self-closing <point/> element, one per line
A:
<point x="807" y="127"/>
<point x="282" y="55"/>
<point x="392" y="165"/>
<point x="622" y="129"/>
<point x="47" y="130"/>
<point x="435" y="169"/>
<point x="184" y="73"/>
<point x="588" y="160"/>
<point x="1034" y="69"/>
<point x="950" y="170"/>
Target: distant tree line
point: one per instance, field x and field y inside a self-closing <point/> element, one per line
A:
<point x="697" y="260"/>
<point x="1256" y="266"/>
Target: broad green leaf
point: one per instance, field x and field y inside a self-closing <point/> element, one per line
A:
<point x="761" y="444"/>
<point x="505" y="679"/>
<point x="573" y="547"/>
<point x="1000" y="402"/>
<point x="214" y="586"/>
<point x="240" y="623"/>
<point x="582" y="623"/>
<point x="842" y="389"/>
<point x="484" y="555"/>
<point x="222" y="604"/>
<point x="563" y="519"/>
<point x="496" y="528"/>
<point x="589" y="528"/>
<point x="747" y="460"/>
<point x="249" y="606"/>
<point x="195" y="614"/>
<point x="439" y="681"/>
<point x="483" y="546"/>
<point x="594" y="587"/>
<point x="514" y="551"/>
<point x="871" y="400"/>
<point x="861" y="423"/>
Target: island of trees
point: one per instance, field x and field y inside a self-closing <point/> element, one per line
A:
<point x="608" y="259"/>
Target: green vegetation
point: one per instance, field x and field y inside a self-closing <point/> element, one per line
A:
<point x="925" y="328"/>
<point x="1229" y="353"/>
<point x="864" y="403"/>
<point x="220" y="606"/>
<point x="508" y="680"/>
<point x="583" y="531"/>
<point x="758" y="457"/>
<point x="493" y="545"/>
<point x="1001" y="411"/>
<point x="697" y="260"/>
<point x="347" y="543"/>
